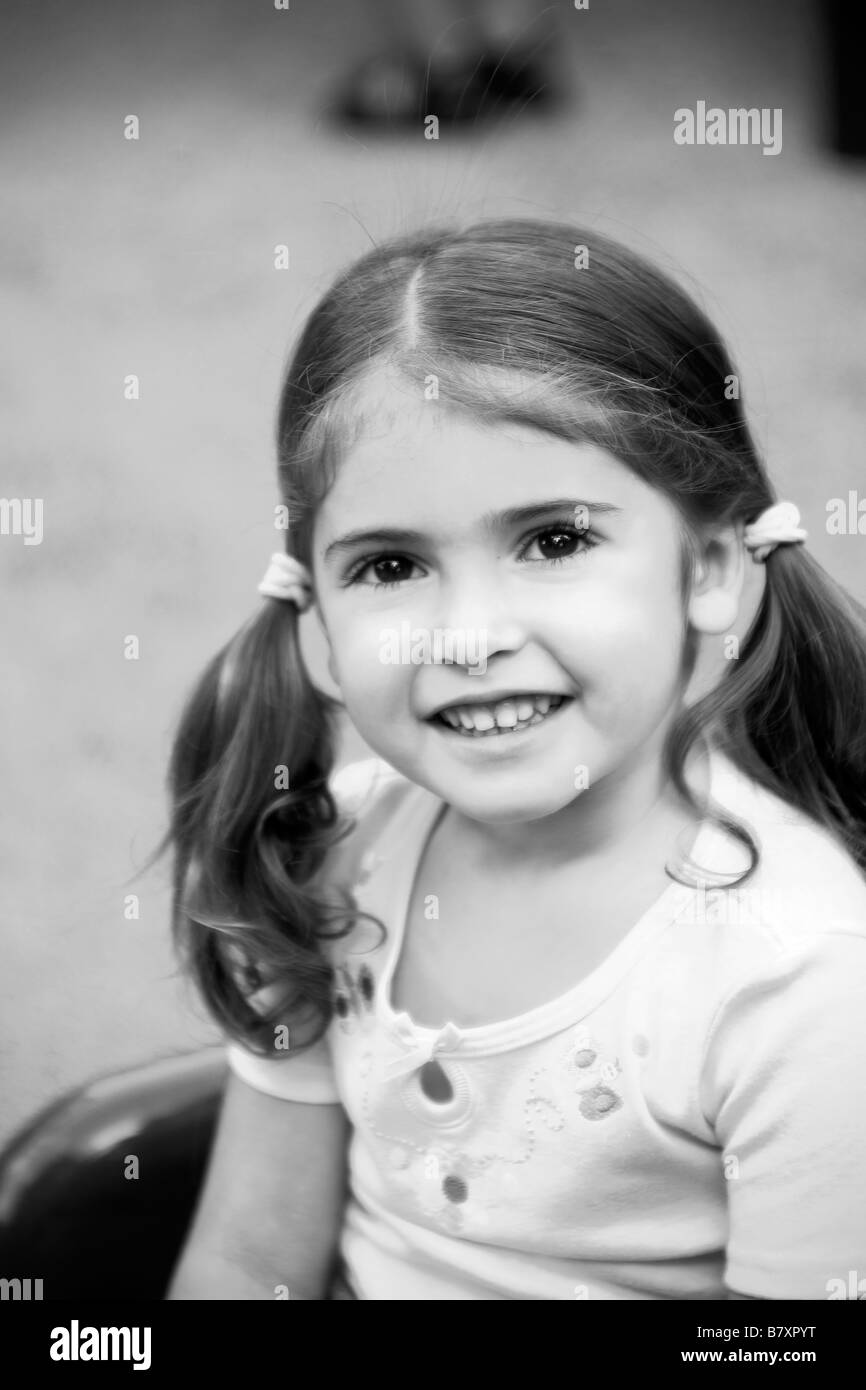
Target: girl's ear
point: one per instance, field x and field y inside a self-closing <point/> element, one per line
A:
<point x="717" y="585"/>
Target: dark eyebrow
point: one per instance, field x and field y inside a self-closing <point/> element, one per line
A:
<point x="490" y="521"/>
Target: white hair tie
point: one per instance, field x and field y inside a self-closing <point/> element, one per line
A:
<point x="778" y="525"/>
<point x="288" y="579"/>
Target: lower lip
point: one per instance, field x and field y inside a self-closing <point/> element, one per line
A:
<point x="497" y="744"/>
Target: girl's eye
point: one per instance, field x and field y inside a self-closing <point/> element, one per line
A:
<point x="563" y="539"/>
<point x="388" y="567"/>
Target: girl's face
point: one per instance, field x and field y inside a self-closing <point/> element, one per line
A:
<point x="488" y="584"/>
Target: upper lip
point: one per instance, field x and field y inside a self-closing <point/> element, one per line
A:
<point x="489" y="697"/>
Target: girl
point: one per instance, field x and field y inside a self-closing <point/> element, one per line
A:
<point x="575" y="965"/>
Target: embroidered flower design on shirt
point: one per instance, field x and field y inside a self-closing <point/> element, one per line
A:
<point x="353" y="995"/>
<point x="550" y="1115"/>
<point x="447" y="1175"/>
<point x="455" y="1187"/>
<point x="347" y="999"/>
<point x="343" y="1008"/>
<point x="366" y="985"/>
<point x="598" y="1102"/>
<point x="584" y="1072"/>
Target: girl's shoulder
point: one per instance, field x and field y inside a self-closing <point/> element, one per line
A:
<point x="358" y="783"/>
<point x="806" y="882"/>
<point x="370" y="789"/>
<point x="372" y="798"/>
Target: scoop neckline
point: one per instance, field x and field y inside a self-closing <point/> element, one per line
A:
<point x="418" y="824"/>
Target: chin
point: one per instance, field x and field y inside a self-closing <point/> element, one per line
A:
<point x="502" y="806"/>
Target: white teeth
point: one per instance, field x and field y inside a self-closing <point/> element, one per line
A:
<point x="482" y="718"/>
<point x="519" y="712"/>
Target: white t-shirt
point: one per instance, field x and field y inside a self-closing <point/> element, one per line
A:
<point x="686" y="1119"/>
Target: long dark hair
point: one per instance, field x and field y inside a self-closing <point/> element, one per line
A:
<point x="606" y="348"/>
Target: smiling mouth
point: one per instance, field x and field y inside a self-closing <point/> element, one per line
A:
<point x="509" y="716"/>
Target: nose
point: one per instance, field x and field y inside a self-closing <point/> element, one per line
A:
<point x="480" y="605"/>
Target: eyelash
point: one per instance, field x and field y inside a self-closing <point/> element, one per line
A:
<point x="585" y="534"/>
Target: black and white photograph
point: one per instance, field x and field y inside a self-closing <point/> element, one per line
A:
<point x="381" y="378"/>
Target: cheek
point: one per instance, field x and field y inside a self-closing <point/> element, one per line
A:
<point x="363" y="664"/>
<point x="628" y="640"/>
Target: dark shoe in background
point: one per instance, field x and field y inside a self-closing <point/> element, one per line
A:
<point x="394" y="90"/>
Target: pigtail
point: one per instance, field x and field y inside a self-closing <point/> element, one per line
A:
<point x="790" y="712"/>
<point x="805" y="716"/>
<point x="246" y="918"/>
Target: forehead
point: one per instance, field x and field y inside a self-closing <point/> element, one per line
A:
<point x="383" y="411"/>
<point x="395" y="430"/>
<point x="387" y="402"/>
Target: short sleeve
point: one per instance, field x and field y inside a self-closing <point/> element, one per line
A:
<point x="783" y="1085"/>
<point x="307" y="1076"/>
<point x="354" y="785"/>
